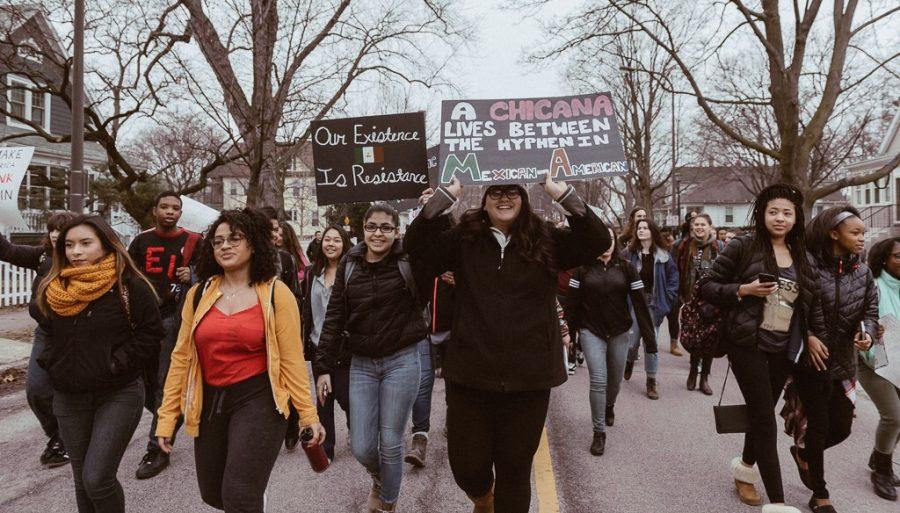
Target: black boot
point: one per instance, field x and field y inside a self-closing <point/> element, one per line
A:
<point x="629" y="366"/>
<point x="895" y="480"/>
<point x="692" y="379"/>
<point x="152" y="464"/>
<point x="881" y="477"/>
<point x="704" y="384"/>
<point x="55" y="453"/>
<point x="610" y="415"/>
<point x="598" y="446"/>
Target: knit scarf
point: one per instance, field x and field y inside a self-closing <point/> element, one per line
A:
<point x="75" y="287"/>
<point x="888" y="294"/>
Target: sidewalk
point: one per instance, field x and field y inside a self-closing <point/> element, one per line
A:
<point x="16" y="332"/>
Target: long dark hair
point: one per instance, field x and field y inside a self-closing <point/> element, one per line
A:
<point x="110" y="242"/>
<point x="290" y="241"/>
<point x="56" y="222"/>
<point x="257" y="230"/>
<point x="319" y="258"/>
<point x="819" y="240"/>
<point x="631" y="227"/>
<point x="634" y="245"/>
<point x="879" y="254"/>
<point x="795" y="239"/>
<point x="531" y="236"/>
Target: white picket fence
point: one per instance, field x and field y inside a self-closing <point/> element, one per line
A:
<point x="15" y="285"/>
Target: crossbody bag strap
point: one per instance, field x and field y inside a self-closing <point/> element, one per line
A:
<point x="725" y="382"/>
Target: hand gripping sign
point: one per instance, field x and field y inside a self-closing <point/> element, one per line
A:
<point x="520" y="140"/>
<point x="14" y="162"/>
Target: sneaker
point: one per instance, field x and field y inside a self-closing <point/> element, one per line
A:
<point x="54" y="454"/>
<point x="571" y="369"/>
<point x="579" y="357"/>
<point x="152" y="464"/>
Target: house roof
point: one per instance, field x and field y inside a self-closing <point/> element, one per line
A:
<point x="891" y="133"/>
<point x="721" y="185"/>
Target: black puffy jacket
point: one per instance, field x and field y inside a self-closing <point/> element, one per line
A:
<point x="379" y="314"/>
<point x="36" y="258"/>
<point x="739" y="263"/>
<point x="342" y="358"/>
<point x="848" y="295"/>
<point x="97" y="349"/>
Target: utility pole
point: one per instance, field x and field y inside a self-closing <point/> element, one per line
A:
<point x="676" y="206"/>
<point x="76" y="168"/>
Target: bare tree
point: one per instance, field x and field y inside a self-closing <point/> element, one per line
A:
<point x="269" y="68"/>
<point x="125" y="76"/>
<point x="813" y="56"/>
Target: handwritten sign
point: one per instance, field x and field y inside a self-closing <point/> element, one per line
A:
<point x="370" y="158"/>
<point x="195" y="216"/>
<point x="14" y="162"/>
<point x="520" y="140"/>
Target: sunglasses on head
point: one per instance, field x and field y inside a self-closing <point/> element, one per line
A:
<point x="495" y="193"/>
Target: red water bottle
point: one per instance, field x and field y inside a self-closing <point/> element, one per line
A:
<point x="318" y="460"/>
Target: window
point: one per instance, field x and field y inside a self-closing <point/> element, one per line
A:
<point x="859" y="195"/>
<point x="314" y="218"/>
<point x="295" y="215"/>
<point x="897" y="203"/>
<point x="29" y="49"/>
<point x="868" y="195"/>
<point x="35" y="189"/>
<point x="234" y="188"/>
<point x="296" y="191"/>
<point x="729" y="214"/>
<point x="23" y="101"/>
<point x="59" y="190"/>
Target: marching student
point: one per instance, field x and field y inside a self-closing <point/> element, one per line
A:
<point x="506" y="352"/>
<point x="237" y="365"/>
<point x="103" y="326"/>
<point x="600" y="312"/>
<point x="165" y="254"/>
<point x="376" y="313"/>
<point x="38" y="389"/>
<point x="765" y="324"/>
<point x="884" y="262"/>
<point x="659" y="275"/>
<point x="826" y="376"/>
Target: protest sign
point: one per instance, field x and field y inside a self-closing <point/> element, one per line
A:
<point x="370" y="158"/>
<point x="14" y="162"/>
<point x="196" y="216"/>
<point x="890" y="370"/>
<point x="520" y="140"/>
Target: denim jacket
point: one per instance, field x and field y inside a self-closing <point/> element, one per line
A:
<point x="665" y="282"/>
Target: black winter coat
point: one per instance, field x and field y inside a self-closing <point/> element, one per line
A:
<point x="342" y="358"/>
<point x="36" y="258"/>
<point x="505" y="328"/>
<point x="735" y="266"/>
<point x="97" y="349"/>
<point x="375" y="308"/>
<point x="848" y="294"/>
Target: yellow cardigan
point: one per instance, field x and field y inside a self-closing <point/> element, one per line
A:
<point x="183" y="393"/>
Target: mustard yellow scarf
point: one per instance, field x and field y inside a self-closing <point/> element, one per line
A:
<point x="75" y="287"/>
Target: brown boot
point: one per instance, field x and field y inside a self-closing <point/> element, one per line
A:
<point x="417" y="450"/>
<point x="744" y="479"/>
<point x="652" y="393"/>
<point x="704" y="384"/>
<point x="384" y="507"/>
<point x="674" y="349"/>
<point x="483" y="504"/>
<point x="692" y="380"/>
<point x="373" y="503"/>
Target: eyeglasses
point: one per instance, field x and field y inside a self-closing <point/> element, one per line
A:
<point x="384" y="228"/>
<point x="509" y="192"/>
<point x="235" y="239"/>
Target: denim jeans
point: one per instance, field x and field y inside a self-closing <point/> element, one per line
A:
<point x="421" y="412"/>
<point x="96" y="428"/>
<point x="651" y="360"/>
<point x="38" y="390"/>
<point x="171" y="326"/>
<point x="606" y="367"/>
<point x="382" y="392"/>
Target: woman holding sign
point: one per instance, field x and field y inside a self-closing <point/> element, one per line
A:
<point x="884" y="261"/>
<point x="825" y="377"/>
<point x="506" y="350"/>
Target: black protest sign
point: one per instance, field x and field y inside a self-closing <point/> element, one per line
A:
<point x="520" y="140"/>
<point x="369" y="158"/>
<point x="433" y="169"/>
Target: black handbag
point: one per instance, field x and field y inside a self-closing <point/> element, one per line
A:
<point x="731" y="418"/>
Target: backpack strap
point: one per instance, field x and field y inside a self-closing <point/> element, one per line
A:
<point x="199" y="293"/>
<point x="348" y="270"/>
<point x="189" y="245"/>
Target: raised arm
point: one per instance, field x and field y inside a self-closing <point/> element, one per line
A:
<point x="20" y="255"/>
<point x="585" y="240"/>
<point x="429" y="240"/>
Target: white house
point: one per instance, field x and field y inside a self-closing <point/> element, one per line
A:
<point x="878" y="201"/>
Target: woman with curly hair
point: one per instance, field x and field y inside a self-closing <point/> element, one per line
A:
<point x="237" y="365"/>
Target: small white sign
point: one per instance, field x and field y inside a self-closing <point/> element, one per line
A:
<point x="368" y="154"/>
<point x="196" y="216"/>
<point x="14" y="162"/>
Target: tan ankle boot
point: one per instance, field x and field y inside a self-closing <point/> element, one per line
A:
<point x="373" y="502"/>
<point x="674" y="349"/>
<point x="744" y="481"/>
<point x="384" y="507"/>
<point x="483" y="504"/>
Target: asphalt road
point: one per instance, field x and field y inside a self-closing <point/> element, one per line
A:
<point x="662" y="457"/>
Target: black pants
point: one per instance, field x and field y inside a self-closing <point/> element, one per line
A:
<point x="340" y="391"/>
<point x="761" y="377"/>
<point x="241" y="434"/>
<point x="155" y="389"/>
<point x="829" y="417"/>
<point x="96" y="429"/>
<point x="672" y="318"/>
<point x="490" y="432"/>
<point x="38" y="390"/>
<point x="704" y="363"/>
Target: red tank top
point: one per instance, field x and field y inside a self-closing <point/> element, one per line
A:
<point x="231" y="348"/>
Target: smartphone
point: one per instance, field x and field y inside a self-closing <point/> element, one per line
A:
<point x="862" y="329"/>
<point x="767" y="278"/>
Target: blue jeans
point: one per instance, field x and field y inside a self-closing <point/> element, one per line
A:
<point x="382" y="392"/>
<point x="38" y="390"/>
<point x="606" y="367"/>
<point x="651" y="360"/>
<point x="421" y="412"/>
<point x="96" y="428"/>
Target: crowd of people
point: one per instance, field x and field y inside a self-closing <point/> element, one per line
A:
<point x="214" y="331"/>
